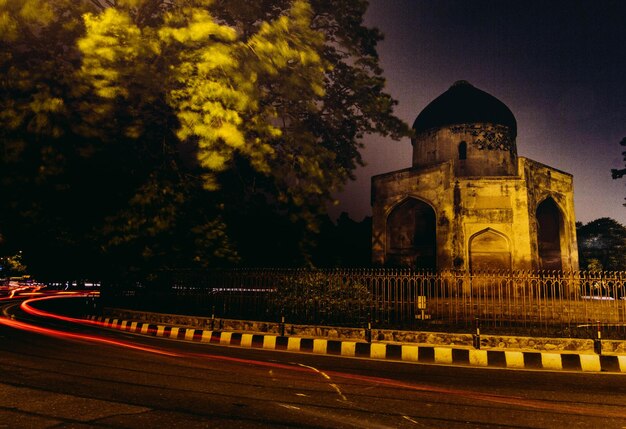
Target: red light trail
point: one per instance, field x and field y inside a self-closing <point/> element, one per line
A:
<point x="69" y="335"/>
<point x="72" y="336"/>
<point x="26" y="307"/>
<point x="467" y="394"/>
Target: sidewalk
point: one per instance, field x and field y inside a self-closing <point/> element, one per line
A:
<point x="422" y="353"/>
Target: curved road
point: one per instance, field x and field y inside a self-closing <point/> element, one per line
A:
<point x="76" y="376"/>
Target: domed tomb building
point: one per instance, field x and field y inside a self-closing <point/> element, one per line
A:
<point x="469" y="202"/>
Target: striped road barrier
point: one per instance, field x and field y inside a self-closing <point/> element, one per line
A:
<point x="396" y="352"/>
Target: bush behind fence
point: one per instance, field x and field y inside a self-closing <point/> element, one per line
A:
<point x="388" y="298"/>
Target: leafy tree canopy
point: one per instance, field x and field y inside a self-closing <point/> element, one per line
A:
<point x="143" y="134"/>
<point x="12" y="265"/>
<point x="618" y="174"/>
<point x="602" y="245"/>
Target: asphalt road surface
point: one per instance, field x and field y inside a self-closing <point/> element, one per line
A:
<point x="74" y="376"/>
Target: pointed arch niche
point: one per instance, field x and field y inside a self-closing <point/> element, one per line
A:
<point x="549" y="233"/>
<point x="412" y="235"/>
<point x="489" y="250"/>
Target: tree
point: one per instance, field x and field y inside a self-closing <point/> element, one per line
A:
<point x="144" y="135"/>
<point x="12" y="265"/>
<point x="40" y="208"/>
<point x="602" y="245"/>
<point x="618" y="174"/>
<point x="353" y="104"/>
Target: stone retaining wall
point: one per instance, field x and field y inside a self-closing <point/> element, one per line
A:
<point x="381" y="335"/>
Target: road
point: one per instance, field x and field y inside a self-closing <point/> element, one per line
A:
<point x="93" y="379"/>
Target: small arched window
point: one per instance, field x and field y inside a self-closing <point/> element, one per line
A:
<point x="463" y="150"/>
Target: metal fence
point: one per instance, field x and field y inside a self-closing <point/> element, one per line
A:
<point x="389" y="298"/>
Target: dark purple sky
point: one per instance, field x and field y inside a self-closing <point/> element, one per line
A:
<point x="560" y="66"/>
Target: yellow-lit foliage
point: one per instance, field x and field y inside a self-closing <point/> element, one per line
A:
<point x="35" y="12"/>
<point x="198" y="27"/>
<point x="203" y="94"/>
<point x="288" y="51"/>
<point x="209" y="77"/>
<point x="24" y="24"/>
<point x="130" y="4"/>
<point x="42" y="105"/>
<point x="8" y="25"/>
<point x="38" y="11"/>
<point x="118" y="96"/>
<point x="111" y="39"/>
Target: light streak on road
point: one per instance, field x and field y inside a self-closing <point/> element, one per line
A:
<point x="486" y="397"/>
<point x="17" y="292"/>
<point x="295" y="367"/>
<point x="69" y="335"/>
<point x="82" y="337"/>
<point x="28" y="308"/>
<point x="468" y="394"/>
<point x="14" y="291"/>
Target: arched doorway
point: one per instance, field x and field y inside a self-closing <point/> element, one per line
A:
<point x="412" y="236"/>
<point x="549" y="230"/>
<point x="489" y="251"/>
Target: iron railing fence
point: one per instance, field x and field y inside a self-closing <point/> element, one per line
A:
<point x="540" y="301"/>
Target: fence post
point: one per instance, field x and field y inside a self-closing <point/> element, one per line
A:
<point x="281" y="326"/>
<point x="597" y="342"/>
<point x="476" y="336"/>
<point x="368" y="331"/>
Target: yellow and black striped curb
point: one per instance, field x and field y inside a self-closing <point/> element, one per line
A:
<point x="395" y="352"/>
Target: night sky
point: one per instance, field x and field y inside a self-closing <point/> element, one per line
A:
<point x="560" y="66"/>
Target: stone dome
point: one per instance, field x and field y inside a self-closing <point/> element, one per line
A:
<point x="463" y="103"/>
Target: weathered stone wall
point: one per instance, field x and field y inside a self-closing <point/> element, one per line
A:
<point x="547" y="182"/>
<point x="468" y="206"/>
<point x="464" y="207"/>
<point x="432" y="186"/>
<point x="498" y="204"/>
<point x="490" y="149"/>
